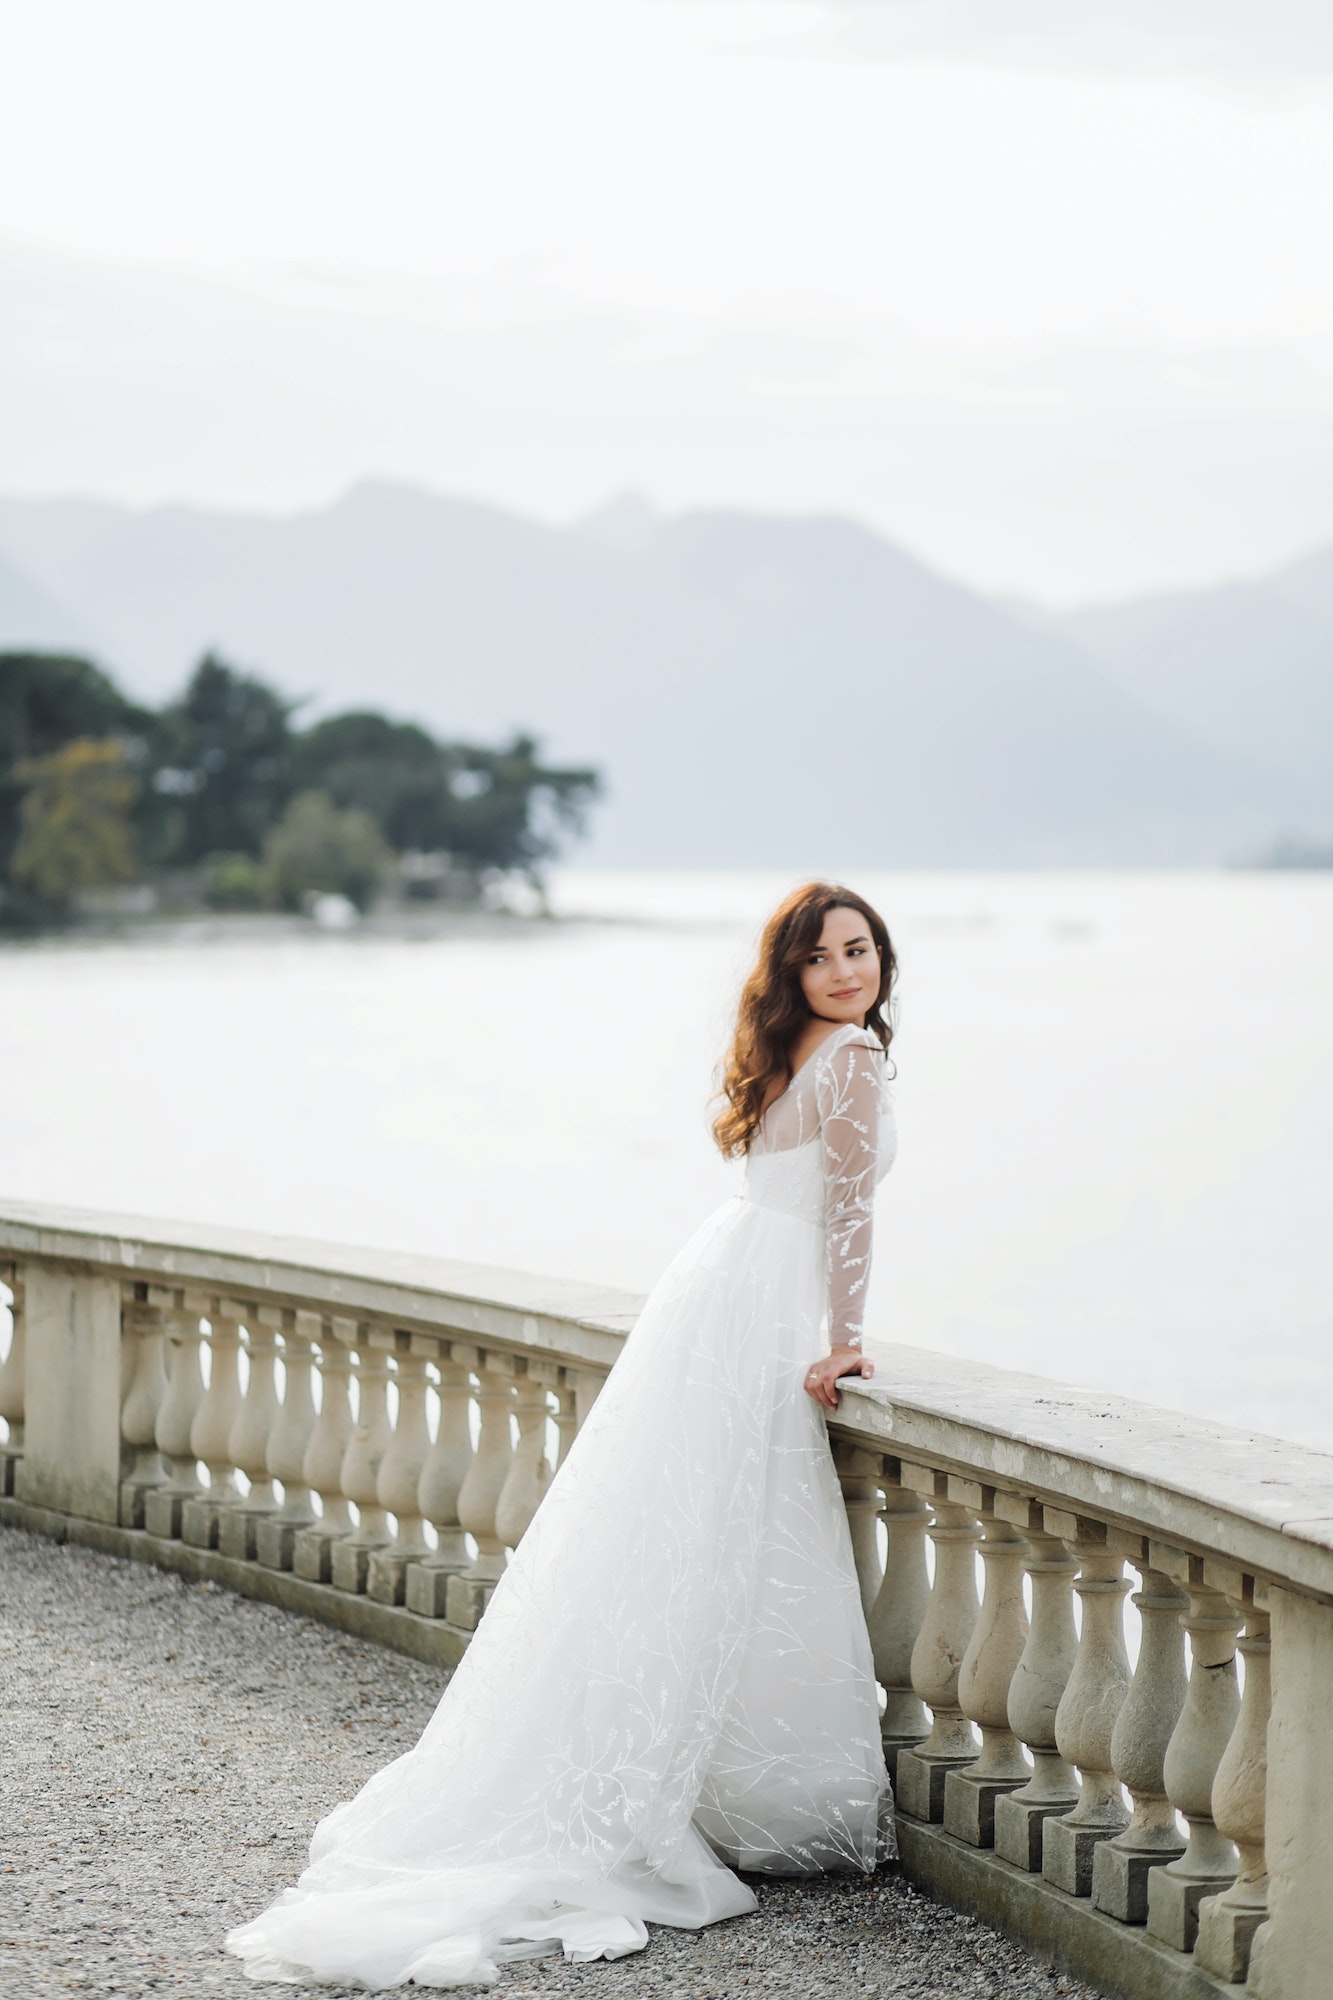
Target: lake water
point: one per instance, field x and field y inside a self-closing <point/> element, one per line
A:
<point x="1115" y="1098"/>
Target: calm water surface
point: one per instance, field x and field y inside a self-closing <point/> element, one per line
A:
<point x="1115" y="1096"/>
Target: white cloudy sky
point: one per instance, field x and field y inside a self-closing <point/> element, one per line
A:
<point x="1041" y="288"/>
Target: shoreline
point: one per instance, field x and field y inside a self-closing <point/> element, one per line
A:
<point x="217" y="927"/>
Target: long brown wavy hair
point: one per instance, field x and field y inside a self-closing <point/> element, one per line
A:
<point x="773" y="1009"/>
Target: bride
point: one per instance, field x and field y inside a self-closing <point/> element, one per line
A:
<point x="673" y="1679"/>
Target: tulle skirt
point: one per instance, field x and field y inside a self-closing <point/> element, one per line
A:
<point x="672" y="1681"/>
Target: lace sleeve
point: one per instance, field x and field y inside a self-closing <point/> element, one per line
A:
<point x="849" y="1096"/>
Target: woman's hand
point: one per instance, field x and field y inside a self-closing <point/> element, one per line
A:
<point x="821" y="1379"/>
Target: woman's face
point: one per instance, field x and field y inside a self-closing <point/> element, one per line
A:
<point x="840" y="979"/>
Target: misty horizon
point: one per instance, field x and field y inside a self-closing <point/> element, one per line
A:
<point x="631" y="500"/>
<point x="1183" y="730"/>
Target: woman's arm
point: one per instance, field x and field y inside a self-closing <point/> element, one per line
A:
<point x="848" y="1091"/>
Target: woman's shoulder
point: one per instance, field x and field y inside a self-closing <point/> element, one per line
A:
<point x="849" y="1036"/>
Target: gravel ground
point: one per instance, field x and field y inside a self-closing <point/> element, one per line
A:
<point x="166" y="1749"/>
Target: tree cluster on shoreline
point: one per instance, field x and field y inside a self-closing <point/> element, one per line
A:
<point x="220" y="798"/>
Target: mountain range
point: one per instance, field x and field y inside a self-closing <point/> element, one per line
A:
<point x="758" y="690"/>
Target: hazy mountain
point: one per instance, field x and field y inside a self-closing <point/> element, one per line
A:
<point x="29" y="616"/>
<point x="1246" y="666"/>
<point x="759" y="690"/>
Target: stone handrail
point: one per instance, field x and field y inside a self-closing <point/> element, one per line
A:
<point x="1163" y="1830"/>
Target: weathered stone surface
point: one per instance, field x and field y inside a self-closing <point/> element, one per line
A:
<point x="1193" y="1757"/>
<point x="385" y="1574"/>
<point x="1293" y="1952"/>
<point x="426" y="1587"/>
<point x="238" y="1531"/>
<point x="1067" y="1853"/>
<point x="1228" y="1923"/>
<point x="1120" y="1878"/>
<point x="162" y="1513"/>
<point x="969" y="1806"/>
<point x="1018" y="1827"/>
<point x="1269" y="1503"/>
<point x="275" y="1539"/>
<point x="312" y="1554"/>
<point x="1173" y="1907"/>
<point x="199" y="1523"/>
<point x="1066" y="1932"/>
<point x="1226" y="1937"/>
<point x="1139" y="1743"/>
<point x="72" y="1444"/>
<point x="389" y="1625"/>
<point x="997" y="1645"/>
<point x="351" y="1564"/>
<point x="557" y="1315"/>
<point x="465" y="1598"/>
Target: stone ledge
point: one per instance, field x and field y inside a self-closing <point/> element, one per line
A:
<point x="577" y="1323"/>
<point x="1261" y="1504"/>
<point x="1120" y="1960"/>
<point x="429" y="1639"/>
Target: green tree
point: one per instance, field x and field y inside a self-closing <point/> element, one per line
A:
<point x="234" y="882"/>
<point x="509" y="810"/>
<point x="224" y="757"/>
<point x="315" y="847"/>
<point x="393" y="770"/>
<point x="48" y="700"/>
<point x="490" y="808"/>
<point x="75" y="819"/>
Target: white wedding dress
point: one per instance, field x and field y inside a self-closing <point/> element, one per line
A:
<point x="673" y="1679"/>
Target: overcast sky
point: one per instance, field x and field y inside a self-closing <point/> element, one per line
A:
<point x="1040" y="288"/>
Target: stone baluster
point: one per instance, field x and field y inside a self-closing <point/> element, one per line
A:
<point x="146" y="1386"/>
<point x="399" y="1482"/>
<point x="12" y="1381"/>
<point x="442" y="1478"/>
<point x="1227" y="1923"/>
<point x="288" y="1442"/>
<point x="897" y="1614"/>
<point x="210" y="1433"/>
<point x="989" y="1664"/>
<point x="1089" y="1707"/>
<point x="369" y="1441"/>
<point x="529" y="1472"/>
<point x="859" y="1473"/>
<point x="941" y="1644"/>
<point x="1194" y="1754"/>
<point x="566" y="1416"/>
<point x="248" y="1442"/>
<point x="1143" y="1728"/>
<point x="322" y="1466"/>
<point x="173" y="1430"/>
<point x="469" y="1592"/>
<point x="1039" y="1681"/>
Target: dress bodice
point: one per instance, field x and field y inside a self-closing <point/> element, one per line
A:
<point x="821" y="1150"/>
<point x="790" y="1179"/>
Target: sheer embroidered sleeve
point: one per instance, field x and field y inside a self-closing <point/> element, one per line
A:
<point x="849" y="1090"/>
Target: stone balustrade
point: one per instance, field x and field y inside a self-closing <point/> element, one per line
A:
<point x="1140" y="1789"/>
